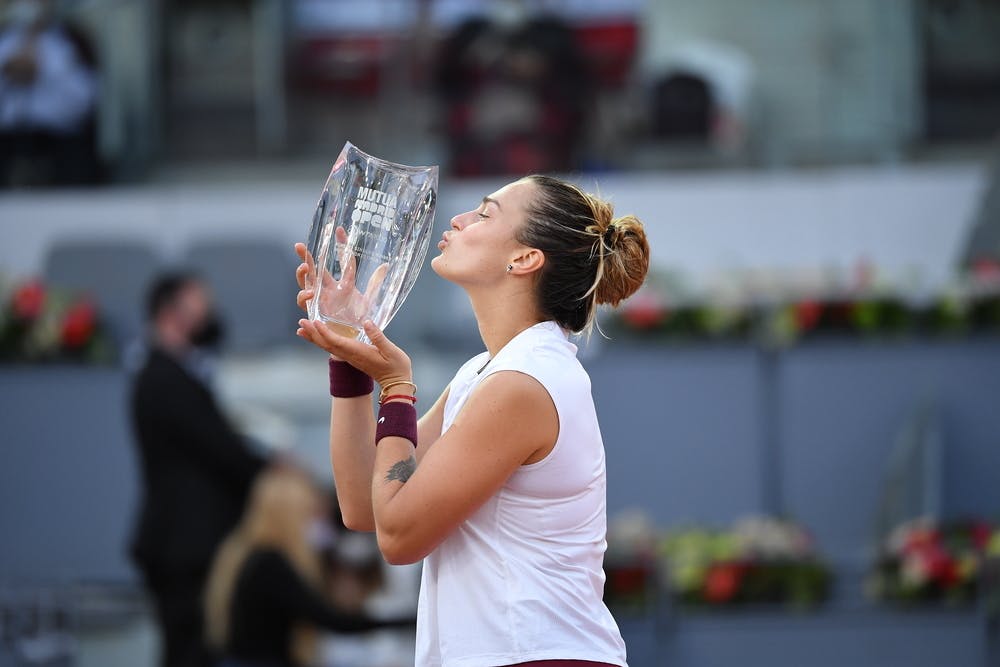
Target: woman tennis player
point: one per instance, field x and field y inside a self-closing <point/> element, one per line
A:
<point x="500" y="486"/>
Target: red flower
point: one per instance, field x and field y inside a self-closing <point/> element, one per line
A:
<point x="986" y="269"/>
<point x="981" y="534"/>
<point x="921" y="539"/>
<point x="722" y="582"/>
<point x="807" y="314"/>
<point x="943" y="568"/>
<point x="28" y="300"/>
<point x="644" y="311"/>
<point x="629" y="579"/>
<point x="78" y="325"/>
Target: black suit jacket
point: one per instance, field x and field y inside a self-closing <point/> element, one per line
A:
<point x="196" y="470"/>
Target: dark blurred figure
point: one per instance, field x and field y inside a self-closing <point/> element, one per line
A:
<point x="197" y="471"/>
<point x="515" y="94"/>
<point x="264" y="600"/>
<point x="982" y="251"/>
<point x="682" y="108"/>
<point x="48" y="94"/>
<point x="704" y="97"/>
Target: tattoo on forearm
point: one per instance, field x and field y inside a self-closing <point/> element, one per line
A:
<point x="401" y="470"/>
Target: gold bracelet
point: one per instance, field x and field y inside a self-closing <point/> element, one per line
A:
<point x="385" y="388"/>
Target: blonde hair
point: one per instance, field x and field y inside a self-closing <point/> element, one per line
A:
<point x="591" y="257"/>
<point x="282" y="502"/>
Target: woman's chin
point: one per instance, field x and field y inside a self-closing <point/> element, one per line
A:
<point x="440" y="266"/>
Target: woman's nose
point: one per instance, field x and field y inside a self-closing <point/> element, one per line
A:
<point x="456" y="223"/>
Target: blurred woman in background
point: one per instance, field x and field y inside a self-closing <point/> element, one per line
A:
<point x="263" y="601"/>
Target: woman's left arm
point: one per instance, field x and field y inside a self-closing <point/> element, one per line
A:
<point x="507" y="421"/>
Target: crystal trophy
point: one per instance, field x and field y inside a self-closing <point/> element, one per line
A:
<point x="368" y="239"/>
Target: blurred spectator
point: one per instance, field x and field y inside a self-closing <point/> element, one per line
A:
<point x="197" y="470"/>
<point x="705" y="95"/>
<point x="264" y="597"/>
<point x="982" y="251"/>
<point x="514" y="90"/>
<point x="356" y="580"/>
<point x="353" y="570"/>
<point x="682" y="108"/>
<point x="48" y="92"/>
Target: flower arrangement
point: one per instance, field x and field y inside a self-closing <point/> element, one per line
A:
<point x="924" y="560"/>
<point x="44" y="324"/>
<point x="784" y="309"/>
<point x="758" y="560"/>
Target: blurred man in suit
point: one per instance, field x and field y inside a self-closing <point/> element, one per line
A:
<point x="196" y="469"/>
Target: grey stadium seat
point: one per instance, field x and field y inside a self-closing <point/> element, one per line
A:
<point x="116" y="272"/>
<point x="254" y="285"/>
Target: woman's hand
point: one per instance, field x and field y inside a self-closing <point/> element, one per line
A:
<point x="383" y="360"/>
<point x="305" y="275"/>
<point x="339" y="298"/>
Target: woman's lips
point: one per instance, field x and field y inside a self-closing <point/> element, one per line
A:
<point x="443" y="242"/>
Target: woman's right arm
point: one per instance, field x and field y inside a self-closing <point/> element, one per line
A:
<point x="352" y="453"/>
<point x="352" y="434"/>
<point x="352" y="427"/>
<point x="352" y="456"/>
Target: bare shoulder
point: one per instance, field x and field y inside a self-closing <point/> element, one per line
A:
<point x="513" y="410"/>
<point x="515" y="386"/>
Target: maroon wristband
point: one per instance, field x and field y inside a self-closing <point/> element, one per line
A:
<point x="396" y="418"/>
<point x="346" y="381"/>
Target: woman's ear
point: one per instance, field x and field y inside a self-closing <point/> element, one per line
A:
<point x="527" y="261"/>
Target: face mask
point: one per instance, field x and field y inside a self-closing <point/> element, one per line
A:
<point x="25" y="12"/>
<point x="209" y="333"/>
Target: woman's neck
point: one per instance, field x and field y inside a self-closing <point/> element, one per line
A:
<point x="502" y="316"/>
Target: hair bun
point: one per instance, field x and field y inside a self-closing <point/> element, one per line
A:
<point x="591" y="257"/>
<point x="625" y="261"/>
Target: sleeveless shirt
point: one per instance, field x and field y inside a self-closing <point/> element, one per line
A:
<point x="522" y="578"/>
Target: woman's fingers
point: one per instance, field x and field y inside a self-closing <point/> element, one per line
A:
<point x="302" y="275"/>
<point x="303" y="252"/>
<point x="308" y="330"/>
<point x="348" y="349"/>
<point x="350" y="269"/>
<point x="310" y="261"/>
<point x="376" y="280"/>
<point x="307" y="269"/>
<point x="380" y="340"/>
<point x="341" y="251"/>
<point x="381" y="359"/>
<point x="328" y="280"/>
<point x="304" y="296"/>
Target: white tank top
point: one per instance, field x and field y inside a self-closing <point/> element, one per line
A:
<point x="522" y="578"/>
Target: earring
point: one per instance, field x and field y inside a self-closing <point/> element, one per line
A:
<point x="510" y="267"/>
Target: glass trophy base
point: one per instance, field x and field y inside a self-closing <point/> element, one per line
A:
<point x="342" y="329"/>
